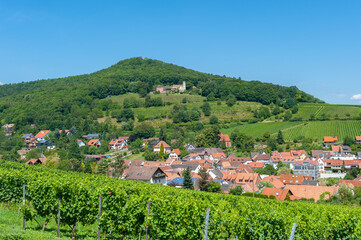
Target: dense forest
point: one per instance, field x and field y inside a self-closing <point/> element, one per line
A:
<point x="66" y="102"/>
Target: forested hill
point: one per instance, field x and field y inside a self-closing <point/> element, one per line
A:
<point x="58" y="103"/>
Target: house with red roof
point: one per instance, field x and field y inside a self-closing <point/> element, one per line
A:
<point x="276" y="182"/>
<point x="35" y="161"/>
<point x="175" y="154"/>
<point x="327" y="141"/>
<point x="312" y="192"/>
<point x="42" y="135"/>
<point x="256" y="165"/>
<point x="279" y="193"/>
<point x="216" y="157"/>
<point x="332" y="164"/>
<point x="358" y="139"/>
<point x="94" y="142"/>
<point x="166" y="147"/>
<point x="225" y="138"/>
<point x="292" y="179"/>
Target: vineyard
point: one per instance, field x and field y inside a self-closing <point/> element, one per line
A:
<point x="172" y="213"/>
<point x="332" y="111"/>
<point x="258" y="129"/>
<point x="319" y="129"/>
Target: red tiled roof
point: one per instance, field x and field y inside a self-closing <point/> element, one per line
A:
<point x="336" y="149"/>
<point x="224" y="137"/>
<point x="358" y="138"/>
<point x="226" y="165"/>
<point x="218" y="155"/>
<point x="33" y="161"/>
<point x="256" y="164"/>
<point x="176" y="151"/>
<point x="92" y="142"/>
<point x="333" y="162"/>
<point x="244" y="168"/>
<point x="113" y="141"/>
<point x="291" y="179"/>
<point x="42" y="133"/>
<point x="309" y="191"/>
<point x="165" y="145"/>
<point x="274" y="180"/>
<point x="354" y="183"/>
<point x="329" y="139"/>
<point x="279" y="193"/>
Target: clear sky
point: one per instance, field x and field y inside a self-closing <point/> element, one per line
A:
<point x="314" y="45"/>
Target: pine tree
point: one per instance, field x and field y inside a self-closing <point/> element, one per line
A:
<point x="187" y="182"/>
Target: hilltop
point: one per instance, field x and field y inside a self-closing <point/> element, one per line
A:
<point x="63" y="102"/>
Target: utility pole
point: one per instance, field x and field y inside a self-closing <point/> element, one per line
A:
<point x="253" y="181"/>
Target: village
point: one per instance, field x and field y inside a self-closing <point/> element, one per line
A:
<point x="292" y="175"/>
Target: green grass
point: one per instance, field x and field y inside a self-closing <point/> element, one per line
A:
<point x="332" y="111"/>
<point x="241" y="110"/>
<point x="258" y="129"/>
<point x="292" y="130"/>
<point x="318" y="129"/>
<point x="11" y="228"/>
<point x="172" y="98"/>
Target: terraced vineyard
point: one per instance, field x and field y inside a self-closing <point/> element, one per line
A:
<point x="319" y="129"/>
<point x="258" y="129"/>
<point x="332" y="111"/>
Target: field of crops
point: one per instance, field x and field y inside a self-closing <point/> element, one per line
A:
<point x="258" y="129"/>
<point x="173" y="213"/>
<point x="318" y="129"/>
<point x="331" y="111"/>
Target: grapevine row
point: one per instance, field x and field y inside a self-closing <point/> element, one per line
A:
<point x="175" y="213"/>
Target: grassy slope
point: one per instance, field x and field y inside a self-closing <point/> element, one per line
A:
<point x="291" y="130"/>
<point x="11" y="228"/>
<point x="223" y="112"/>
<point x="258" y="129"/>
<point x="306" y="109"/>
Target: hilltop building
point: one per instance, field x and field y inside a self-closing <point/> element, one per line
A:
<point x="174" y="88"/>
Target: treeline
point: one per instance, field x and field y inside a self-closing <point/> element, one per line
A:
<point x="56" y="102"/>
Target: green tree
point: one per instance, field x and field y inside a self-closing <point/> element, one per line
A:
<point x="204" y="179"/>
<point x="214" y="186"/>
<point x="287" y="116"/>
<point x="231" y="100"/>
<point x="118" y="166"/>
<point x="187" y="181"/>
<point x="272" y="144"/>
<point x="144" y="130"/>
<point x="236" y="191"/>
<point x="348" y="141"/>
<point x="280" y="139"/>
<point x="206" y="108"/>
<point x="213" y="120"/>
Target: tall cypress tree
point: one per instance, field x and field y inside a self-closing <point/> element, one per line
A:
<point x="187" y="181"/>
<point x="280" y="139"/>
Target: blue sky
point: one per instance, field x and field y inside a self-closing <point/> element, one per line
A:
<point x="314" y="45"/>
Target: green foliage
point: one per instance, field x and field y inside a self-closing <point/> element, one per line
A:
<point x="144" y="130"/>
<point x="280" y="139"/>
<point x="206" y="108"/>
<point x="187" y="181"/>
<point x="124" y="208"/>
<point x="236" y="191"/>
<point x="267" y="170"/>
<point x="208" y="137"/>
<point x="213" y="120"/>
<point x="242" y="141"/>
<point x="231" y="100"/>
